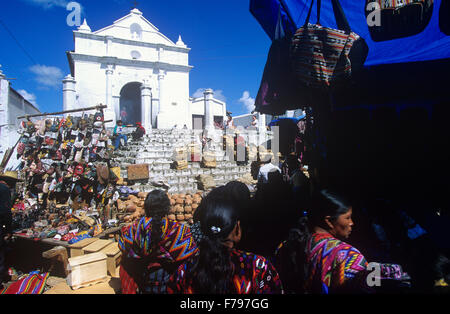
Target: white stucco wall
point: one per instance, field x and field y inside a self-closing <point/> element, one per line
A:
<point x="198" y="106"/>
<point x="91" y="84"/>
<point x="12" y="105"/>
<point x="218" y="108"/>
<point x="89" y="46"/>
<point x="161" y="63"/>
<point x="95" y="45"/>
<point x="121" y="28"/>
<point x="177" y="97"/>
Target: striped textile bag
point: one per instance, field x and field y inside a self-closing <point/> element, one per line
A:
<point x="391" y="19"/>
<point x="324" y="57"/>
<point x="34" y="283"/>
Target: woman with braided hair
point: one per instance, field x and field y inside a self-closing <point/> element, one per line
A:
<point x="153" y="247"/>
<point x="220" y="268"/>
<point x="315" y="259"/>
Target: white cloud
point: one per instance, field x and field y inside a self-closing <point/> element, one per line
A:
<point x="248" y="101"/>
<point x="218" y="94"/>
<point x="47" y="75"/>
<point x="198" y="93"/>
<point x="28" y="96"/>
<point x="47" y="4"/>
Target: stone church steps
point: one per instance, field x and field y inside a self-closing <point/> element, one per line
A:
<point x="157" y="149"/>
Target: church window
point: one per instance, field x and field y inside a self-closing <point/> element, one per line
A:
<point x="135" y="55"/>
<point x="136" y="31"/>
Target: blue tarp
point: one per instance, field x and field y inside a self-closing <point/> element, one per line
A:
<point x="430" y="44"/>
<point x="295" y="120"/>
<point x="275" y="122"/>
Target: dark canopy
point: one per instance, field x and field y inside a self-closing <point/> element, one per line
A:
<point x="430" y="44"/>
<point x="378" y="136"/>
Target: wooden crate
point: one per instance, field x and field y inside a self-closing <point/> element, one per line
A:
<point x="208" y="160"/>
<point x="181" y="164"/>
<point x="87" y="269"/>
<point x="137" y="172"/>
<point x="76" y="249"/>
<point x="96" y="246"/>
<point x="114" y="256"/>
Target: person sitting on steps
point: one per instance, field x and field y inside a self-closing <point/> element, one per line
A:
<point x="118" y="129"/>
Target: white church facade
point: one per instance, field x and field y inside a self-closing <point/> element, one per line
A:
<point x="12" y="105"/>
<point x="139" y="73"/>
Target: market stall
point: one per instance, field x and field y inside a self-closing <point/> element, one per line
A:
<point x="388" y="114"/>
<point x="77" y="192"/>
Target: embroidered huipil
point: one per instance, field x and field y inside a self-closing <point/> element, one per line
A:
<point x="175" y="246"/>
<point x="253" y="274"/>
<point x="335" y="266"/>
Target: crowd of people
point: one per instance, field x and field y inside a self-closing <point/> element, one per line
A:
<point x="284" y="239"/>
<point x="287" y="237"/>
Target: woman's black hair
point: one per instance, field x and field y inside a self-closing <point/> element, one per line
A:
<point x="326" y="203"/>
<point x="213" y="268"/>
<point x="236" y="192"/>
<point x="156" y="205"/>
<point x="291" y="258"/>
<point x="239" y="193"/>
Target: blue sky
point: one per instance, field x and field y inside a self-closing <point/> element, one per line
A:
<point x="228" y="47"/>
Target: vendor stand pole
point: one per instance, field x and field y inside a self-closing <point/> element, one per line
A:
<point x="8" y="155"/>
<point x="62" y="112"/>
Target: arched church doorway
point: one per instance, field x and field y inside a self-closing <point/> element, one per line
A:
<point x="130" y="103"/>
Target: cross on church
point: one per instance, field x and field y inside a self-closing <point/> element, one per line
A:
<point x="135" y="4"/>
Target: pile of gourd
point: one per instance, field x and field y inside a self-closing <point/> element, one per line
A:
<point x="182" y="206"/>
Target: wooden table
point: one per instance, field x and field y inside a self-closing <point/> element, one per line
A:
<point x="50" y="241"/>
<point x="27" y="251"/>
<point x="46" y="241"/>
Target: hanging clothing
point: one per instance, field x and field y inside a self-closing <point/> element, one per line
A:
<point x="252" y="274"/>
